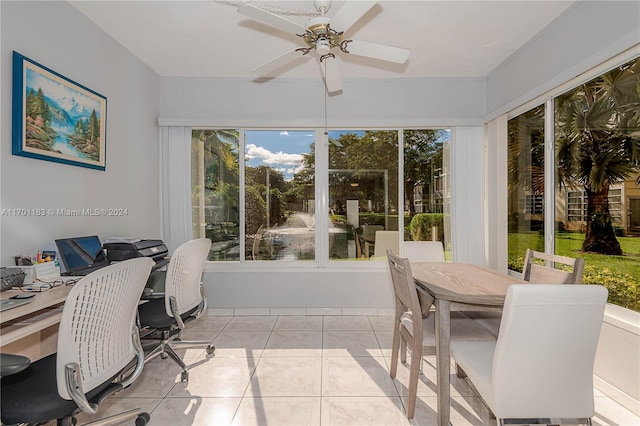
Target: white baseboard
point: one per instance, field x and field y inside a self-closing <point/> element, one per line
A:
<point x="299" y="311"/>
<point x="622" y="398"/>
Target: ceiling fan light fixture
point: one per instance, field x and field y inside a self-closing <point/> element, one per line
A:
<point x="323" y="46"/>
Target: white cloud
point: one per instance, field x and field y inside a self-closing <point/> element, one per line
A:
<point x="268" y="157"/>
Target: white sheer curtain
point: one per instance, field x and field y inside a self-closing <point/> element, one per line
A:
<point x="175" y="156"/>
<point x="467" y="190"/>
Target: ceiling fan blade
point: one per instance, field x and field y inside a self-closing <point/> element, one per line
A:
<point x="268" y="67"/>
<point x="271" y="19"/>
<point x="378" y="51"/>
<point x="331" y="74"/>
<point x="349" y="14"/>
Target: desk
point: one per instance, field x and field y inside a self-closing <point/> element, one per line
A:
<point x="31" y="329"/>
<point x="457" y="286"/>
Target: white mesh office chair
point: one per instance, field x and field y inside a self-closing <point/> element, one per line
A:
<point x="540" y="369"/>
<point x="184" y="300"/>
<point x="419" y="336"/>
<point x="98" y="344"/>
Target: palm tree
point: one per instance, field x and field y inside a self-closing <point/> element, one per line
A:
<point x="598" y="145"/>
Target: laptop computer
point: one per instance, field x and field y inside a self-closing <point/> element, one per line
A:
<point x="81" y="255"/>
<point x="13" y="303"/>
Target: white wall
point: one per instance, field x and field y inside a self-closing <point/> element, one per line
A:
<point x="584" y="36"/>
<point x="297" y="288"/>
<point x="297" y="103"/>
<point x="57" y="36"/>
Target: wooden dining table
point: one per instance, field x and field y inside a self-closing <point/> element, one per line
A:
<point x="457" y="286"/>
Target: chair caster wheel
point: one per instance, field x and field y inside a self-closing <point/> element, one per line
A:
<point x="163" y="356"/>
<point x="211" y="349"/>
<point x="184" y="376"/>
<point x="142" y="419"/>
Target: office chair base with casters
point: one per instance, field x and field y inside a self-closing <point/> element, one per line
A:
<point x="168" y="334"/>
<point x="165" y="350"/>
<point x="141" y="418"/>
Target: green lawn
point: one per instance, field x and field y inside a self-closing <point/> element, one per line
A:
<point x="620" y="274"/>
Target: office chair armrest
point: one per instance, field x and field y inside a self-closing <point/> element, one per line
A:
<point x="173" y="304"/>
<point x="74" y="387"/>
<point x="135" y="337"/>
<point x="202" y="307"/>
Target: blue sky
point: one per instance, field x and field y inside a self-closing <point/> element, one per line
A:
<point x="279" y="149"/>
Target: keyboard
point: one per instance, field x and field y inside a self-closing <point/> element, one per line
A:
<point x="13" y="303"/>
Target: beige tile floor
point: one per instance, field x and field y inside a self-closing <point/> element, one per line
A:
<point x="301" y="370"/>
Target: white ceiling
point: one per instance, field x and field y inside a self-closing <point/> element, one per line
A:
<point x="209" y="38"/>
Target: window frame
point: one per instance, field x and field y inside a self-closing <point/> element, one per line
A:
<point x="322" y="260"/>
<point x="548" y="99"/>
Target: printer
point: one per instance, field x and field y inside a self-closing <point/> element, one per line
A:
<point x="118" y="250"/>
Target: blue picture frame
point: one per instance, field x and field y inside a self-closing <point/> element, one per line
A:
<point x="55" y="118"/>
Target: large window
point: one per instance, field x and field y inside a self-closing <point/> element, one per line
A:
<point x="596" y="173"/>
<point x="264" y="208"/>
<point x="215" y="177"/>
<point x="426" y="186"/>
<point x="525" y="165"/>
<point x="363" y="192"/>
<point x="279" y="195"/>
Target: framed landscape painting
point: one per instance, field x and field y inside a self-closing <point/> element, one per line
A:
<point x="55" y="118"/>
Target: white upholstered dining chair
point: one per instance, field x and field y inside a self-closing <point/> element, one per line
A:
<point x="540" y="369"/>
<point x="423" y="251"/>
<point x="386" y="240"/>
<point x="419" y="335"/>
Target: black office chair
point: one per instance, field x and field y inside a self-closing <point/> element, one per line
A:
<point x="98" y="354"/>
<point x="183" y="301"/>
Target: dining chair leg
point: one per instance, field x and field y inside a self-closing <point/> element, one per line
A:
<point x="395" y="348"/>
<point x="414" y="373"/>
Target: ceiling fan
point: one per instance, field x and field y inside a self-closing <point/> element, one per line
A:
<point x="324" y="35"/>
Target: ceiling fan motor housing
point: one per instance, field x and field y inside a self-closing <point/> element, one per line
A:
<point x="321" y="36"/>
